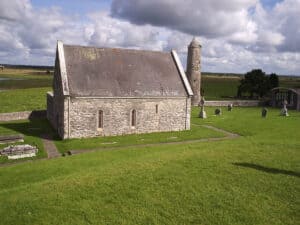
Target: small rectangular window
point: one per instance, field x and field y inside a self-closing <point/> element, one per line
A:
<point x="156" y="108"/>
<point x="133" y="118"/>
<point x="100" y="119"/>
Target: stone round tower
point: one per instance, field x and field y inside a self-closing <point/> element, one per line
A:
<point x="193" y="70"/>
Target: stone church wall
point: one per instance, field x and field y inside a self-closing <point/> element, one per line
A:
<point x="170" y="114"/>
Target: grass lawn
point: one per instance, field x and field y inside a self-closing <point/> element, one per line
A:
<point x="195" y="133"/>
<point x="23" y="89"/>
<point x="254" y="179"/>
<point x="23" y="99"/>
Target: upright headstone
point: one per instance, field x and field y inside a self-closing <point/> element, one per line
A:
<point x="218" y="112"/>
<point x="202" y="113"/>
<point x="264" y="112"/>
<point x="284" y="111"/>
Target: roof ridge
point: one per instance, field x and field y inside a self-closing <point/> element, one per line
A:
<point x="122" y="49"/>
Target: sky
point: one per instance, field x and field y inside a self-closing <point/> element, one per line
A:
<point x="236" y="35"/>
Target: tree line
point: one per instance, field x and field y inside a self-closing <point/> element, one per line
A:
<point x="257" y="83"/>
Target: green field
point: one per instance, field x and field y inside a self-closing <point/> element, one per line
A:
<point x="23" y="89"/>
<point x="222" y="87"/>
<point x="26" y="88"/>
<point x="23" y="99"/>
<point x="253" y="179"/>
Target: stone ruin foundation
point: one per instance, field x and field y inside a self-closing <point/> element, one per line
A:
<point x="19" y="151"/>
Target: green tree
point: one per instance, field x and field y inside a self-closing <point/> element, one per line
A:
<point x="274" y="80"/>
<point x="256" y="83"/>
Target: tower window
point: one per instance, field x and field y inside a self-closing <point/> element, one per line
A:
<point x="156" y="108"/>
<point x="133" y="118"/>
<point x="100" y="119"/>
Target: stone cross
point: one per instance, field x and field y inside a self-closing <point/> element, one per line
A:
<point x="202" y="113"/>
<point x="229" y="107"/>
<point x="284" y="111"/>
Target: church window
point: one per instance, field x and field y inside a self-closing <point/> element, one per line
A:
<point x="156" y="108"/>
<point x="100" y="119"/>
<point x="133" y="118"/>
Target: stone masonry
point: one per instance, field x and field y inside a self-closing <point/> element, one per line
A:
<point x="117" y="92"/>
<point x="152" y="115"/>
<point x="194" y="70"/>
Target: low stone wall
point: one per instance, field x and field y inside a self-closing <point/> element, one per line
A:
<point x="245" y="103"/>
<point x="36" y="114"/>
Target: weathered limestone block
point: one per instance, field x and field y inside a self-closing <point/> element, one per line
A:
<point x="19" y="151"/>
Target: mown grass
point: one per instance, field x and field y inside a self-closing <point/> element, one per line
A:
<point x="195" y="133"/>
<point x="250" y="180"/>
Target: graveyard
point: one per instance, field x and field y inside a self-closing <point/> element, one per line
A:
<point x="233" y="168"/>
<point x="150" y="112"/>
<point x="201" y="176"/>
<point x="250" y="179"/>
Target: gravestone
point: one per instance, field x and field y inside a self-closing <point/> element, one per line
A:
<point x="202" y="113"/>
<point x="229" y="107"/>
<point x="218" y="112"/>
<point x="264" y="112"/>
<point x="284" y="111"/>
<point x="19" y="151"/>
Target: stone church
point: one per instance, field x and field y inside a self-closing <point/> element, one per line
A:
<point x="109" y="91"/>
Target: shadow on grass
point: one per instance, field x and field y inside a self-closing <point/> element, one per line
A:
<point x="32" y="127"/>
<point x="268" y="169"/>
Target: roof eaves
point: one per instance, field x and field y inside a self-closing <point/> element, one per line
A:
<point x="182" y="73"/>
<point x="63" y="68"/>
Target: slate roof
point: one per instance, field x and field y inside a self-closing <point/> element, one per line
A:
<point x="110" y="72"/>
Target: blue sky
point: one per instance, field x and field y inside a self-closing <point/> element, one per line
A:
<point x="240" y="36"/>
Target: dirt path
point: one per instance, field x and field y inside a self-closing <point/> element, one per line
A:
<point x="49" y="146"/>
<point x="227" y="133"/>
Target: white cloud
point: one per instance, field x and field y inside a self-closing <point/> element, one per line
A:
<point x="209" y="18"/>
<point x="236" y="35"/>
<point x="110" y="32"/>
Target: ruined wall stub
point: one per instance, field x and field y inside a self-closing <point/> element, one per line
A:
<point x="194" y="69"/>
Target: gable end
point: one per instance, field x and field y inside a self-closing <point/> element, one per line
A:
<point x="62" y="67"/>
<point x="182" y="73"/>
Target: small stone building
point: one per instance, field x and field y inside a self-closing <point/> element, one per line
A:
<point x="291" y="95"/>
<point x="107" y="91"/>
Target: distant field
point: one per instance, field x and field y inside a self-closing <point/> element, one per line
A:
<point x="221" y="87"/>
<point x="24" y="78"/>
<point x="23" y="99"/>
<point x="25" y="89"/>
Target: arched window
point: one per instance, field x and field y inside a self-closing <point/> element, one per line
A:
<point x="156" y="108"/>
<point x="133" y="118"/>
<point x="100" y="119"/>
